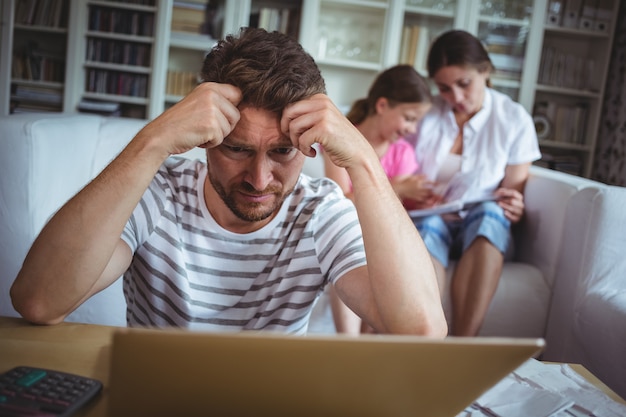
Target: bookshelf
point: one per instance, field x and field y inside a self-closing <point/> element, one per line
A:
<point x="114" y="64"/>
<point x="352" y="41"/>
<point x="519" y="35"/>
<point x="195" y="26"/>
<point x="37" y="32"/>
<point x="571" y="78"/>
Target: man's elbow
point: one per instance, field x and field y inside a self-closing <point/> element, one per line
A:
<point x="437" y="330"/>
<point x="427" y="327"/>
<point x="32" y="309"/>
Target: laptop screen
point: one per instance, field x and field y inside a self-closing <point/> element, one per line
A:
<point x="172" y="372"/>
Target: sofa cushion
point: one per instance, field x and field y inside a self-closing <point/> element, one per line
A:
<point x="44" y="162"/>
<point x="520" y="306"/>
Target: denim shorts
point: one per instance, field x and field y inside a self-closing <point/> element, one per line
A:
<point x="448" y="239"/>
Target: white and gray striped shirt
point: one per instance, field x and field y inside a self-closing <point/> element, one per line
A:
<point x="187" y="271"/>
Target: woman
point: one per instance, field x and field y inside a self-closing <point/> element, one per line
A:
<point x="484" y="141"/>
<point x="397" y="100"/>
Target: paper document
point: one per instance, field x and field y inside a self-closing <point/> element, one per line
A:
<point x="452" y="194"/>
<point x="450" y="207"/>
<point x="544" y="390"/>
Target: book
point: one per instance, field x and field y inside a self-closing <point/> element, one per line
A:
<point x="604" y="14"/>
<point x="588" y="14"/>
<point x="453" y="197"/>
<point x="187" y="16"/>
<point x="571" y="14"/>
<point x="450" y="207"/>
<point x="555" y="12"/>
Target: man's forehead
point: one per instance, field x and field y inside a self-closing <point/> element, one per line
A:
<point x="256" y="127"/>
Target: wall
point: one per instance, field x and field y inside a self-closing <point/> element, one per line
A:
<point x="610" y="160"/>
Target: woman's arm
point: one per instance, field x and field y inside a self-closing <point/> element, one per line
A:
<point x="511" y="191"/>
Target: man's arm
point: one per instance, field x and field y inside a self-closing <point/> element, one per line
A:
<point x="79" y="252"/>
<point x="397" y="292"/>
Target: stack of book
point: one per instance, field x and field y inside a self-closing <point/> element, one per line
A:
<point x="129" y="22"/>
<point x="567" y="122"/>
<point x="52" y="13"/>
<point x="188" y="16"/>
<point x="179" y="83"/>
<point x="592" y="15"/>
<point x="414" y="46"/>
<point x="569" y="163"/>
<point x="285" y="20"/>
<point x="32" y="63"/>
<point x="568" y="70"/>
<point x="105" y="108"/>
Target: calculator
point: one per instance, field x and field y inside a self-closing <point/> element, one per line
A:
<point x="31" y="391"/>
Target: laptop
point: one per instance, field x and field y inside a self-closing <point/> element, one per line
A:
<point x="251" y="374"/>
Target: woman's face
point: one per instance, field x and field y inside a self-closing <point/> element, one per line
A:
<point x="462" y="87"/>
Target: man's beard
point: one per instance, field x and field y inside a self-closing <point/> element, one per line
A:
<point x="253" y="212"/>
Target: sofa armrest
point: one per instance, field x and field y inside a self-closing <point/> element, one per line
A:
<point x="538" y="236"/>
<point x="587" y="322"/>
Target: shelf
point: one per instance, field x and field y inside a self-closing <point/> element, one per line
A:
<point x="568" y="91"/>
<point x="118" y="67"/>
<point x="427" y="11"/>
<point x="34" y="83"/>
<point x="115" y="97"/>
<point x="579" y="33"/>
<point x="504" y="21"/>
<point x="120" y="36"/>
<point x="173" y="99"/>
<point x="123" y="5"/>
<point x="192" y="41"/>
<point x="371" y="66"/>
<point x="39" y="28"/>
<point x="375" y="4"/>
<point x="565" y="145"/>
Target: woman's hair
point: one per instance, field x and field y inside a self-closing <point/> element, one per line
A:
<point x="458" y="48"/>
<point x="271" y="69"/>
<point x="399" y="84"/>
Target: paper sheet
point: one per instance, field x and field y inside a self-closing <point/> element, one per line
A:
<point x="544" y="390"/>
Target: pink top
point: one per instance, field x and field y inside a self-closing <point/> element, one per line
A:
<point x="399" y="159"/>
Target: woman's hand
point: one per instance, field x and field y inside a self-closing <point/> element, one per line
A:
<point x="415" y="190"/>
<point x="512" y="202"/>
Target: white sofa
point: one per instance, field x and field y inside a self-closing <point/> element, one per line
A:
<point x="568" y="283"/>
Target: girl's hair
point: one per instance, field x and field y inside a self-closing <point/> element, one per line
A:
<point x="398" y="84"/>
<point x="458" y="48"/>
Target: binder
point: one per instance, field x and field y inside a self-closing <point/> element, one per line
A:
<point x="555" y="12"/>
<point x="604" y="13"/>
<point x="588" y="14"/>
<point x="571" y="13"/>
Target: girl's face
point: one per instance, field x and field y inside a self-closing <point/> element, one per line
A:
<point x="401" y="119"/>
<point x="462" y="87"/>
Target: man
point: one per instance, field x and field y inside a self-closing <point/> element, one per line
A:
<point x="243" y="241"/>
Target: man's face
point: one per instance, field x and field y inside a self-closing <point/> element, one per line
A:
<point x="251" y="172"/>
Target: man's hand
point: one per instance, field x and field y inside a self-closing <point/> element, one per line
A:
<point x="318" y="120"/>
<point x="203" y="118"/>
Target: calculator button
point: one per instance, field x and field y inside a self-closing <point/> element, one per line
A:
<point x="31" y="378"/>
<point x="26" y="391"/>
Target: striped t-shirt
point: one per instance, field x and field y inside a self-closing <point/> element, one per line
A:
<point x="187" y="271"/>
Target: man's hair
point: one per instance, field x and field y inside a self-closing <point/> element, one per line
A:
<point x="271" y="69"/>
